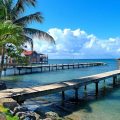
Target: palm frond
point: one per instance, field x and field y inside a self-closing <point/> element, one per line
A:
<point x="5" y="9"/>
<point x="30" y="41"/>
<point x="40" y="34"/>
<point x="20" y="6"/>
<point x="29" y="18"/>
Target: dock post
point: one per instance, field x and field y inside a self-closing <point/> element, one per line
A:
<point x="52" y="67"/>
<point x="96" y="84"/>
<point x="76" y="94"/>
<point x="63" y="98"/>
<point x="14" y="71"/>
<point x="68" y="66"/>
<point x="73" y="65"/>
<point x="62" y="66"/>
<point x="56" y="67"/>
<point x="85" y="88"/>
<point x="114" y="80"/>
<point x="31" y="69"/>
<point x="41" y="69"/>
<point x="19" y="71"/>
<point x="49" y="67"/>
<point x="104" y="83"/>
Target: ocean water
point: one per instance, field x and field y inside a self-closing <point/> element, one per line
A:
<point x="106" y="107"/>
<point x="60" y="75"/>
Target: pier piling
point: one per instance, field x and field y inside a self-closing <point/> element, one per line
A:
<point x="96" y="85"/>
<point x="76" y="94"/>
<point x="63" y="98"/>
<point x="114" y="80"/>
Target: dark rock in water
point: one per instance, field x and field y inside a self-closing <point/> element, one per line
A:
<point x="3" y="116"/>
<point x="47" y="119"/>
<point x="8" y="103"/>
<point x="28" y="115"/>
<point x="52" y="115"/>
<point x="19" y="109"/>
<point x="40" y="112"/>
<point x="19" y="114"/>
<point x="3" y="86"/>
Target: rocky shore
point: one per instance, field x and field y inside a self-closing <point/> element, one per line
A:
<point x="23" y="113"/>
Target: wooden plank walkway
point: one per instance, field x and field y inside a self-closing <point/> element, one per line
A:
<point x="21" y="94"/>
<point x="50" y="67"/>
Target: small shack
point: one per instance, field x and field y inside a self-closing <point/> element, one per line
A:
<point x="36" y="58"/>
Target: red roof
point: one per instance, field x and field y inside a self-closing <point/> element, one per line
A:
<point x="27" y="52"/>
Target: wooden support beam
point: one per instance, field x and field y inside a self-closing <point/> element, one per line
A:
<point x="63" y="97"/>
<point x="73" y="65"/>
<point x="31" y="69"/>
<point x="96" y="86"/>
<point x="41" y="69"/>
<point x="68" y="66"/>
<point x="52" y="67"/>
<point x="114" y="80"/>
<point x="85" y="88"/>
<point x="104" y="83"/>
<point x="19" y="71"/>
<point x="56" y="66"/>
<point x="62" y="66"/>
<point x="14" y="71"/>
<point x="76" y="94"/>
<point x="49" y="68"/>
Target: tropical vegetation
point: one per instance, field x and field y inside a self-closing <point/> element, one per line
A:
<point x="7" y="114"/>
<point x="10" y="37"/>
<point x="11" y="12"/>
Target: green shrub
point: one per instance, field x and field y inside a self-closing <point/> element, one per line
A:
<point x="6" y="111"/>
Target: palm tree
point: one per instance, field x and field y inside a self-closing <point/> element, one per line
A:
<point x="12" y="12"/>
<point x="10" y="34"/>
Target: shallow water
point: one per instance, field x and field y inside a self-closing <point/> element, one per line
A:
<point x="105" y="108"/>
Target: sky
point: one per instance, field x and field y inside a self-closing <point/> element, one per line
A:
<point x="81" y="28"/>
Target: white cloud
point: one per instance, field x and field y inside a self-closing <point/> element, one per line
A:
<point x="78" y="44"/>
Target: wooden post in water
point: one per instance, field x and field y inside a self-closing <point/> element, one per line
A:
<point x="14" y="70"/>
<point x="85" y="88"/>
<point x="19" y="71"/>
<point x="41" y="68"/>
<point x="76" y="94"/>
<point x="73" y="65"/>
<point x="62" y="66"/>
<point x="31" y="69"/>
<point x="104" y="83"/>
<point x="63" y="98"/>
<point x="49" y="67"/>
<point x="114" y="80"/>
<point x="68" y="66"/>
<point x="56" y="67"/>
<point x="96" y="85"/>
<point x="52" y="67"/>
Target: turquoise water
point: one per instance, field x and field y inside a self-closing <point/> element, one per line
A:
<point x="61" y="75"/>
<point x="107" y="107"/>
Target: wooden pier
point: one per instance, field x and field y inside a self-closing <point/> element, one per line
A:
<point x="19" y="70"/>
<point x="21" y="94"/>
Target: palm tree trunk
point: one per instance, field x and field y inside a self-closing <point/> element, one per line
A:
<point x="2" y="60"/>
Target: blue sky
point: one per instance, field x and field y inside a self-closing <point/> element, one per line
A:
<point x="100" y="18"/>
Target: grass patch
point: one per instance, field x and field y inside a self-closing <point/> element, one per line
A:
<point x="7" y="113"/>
